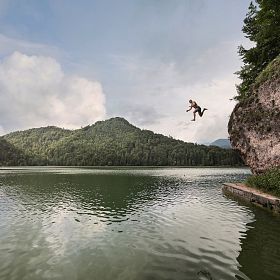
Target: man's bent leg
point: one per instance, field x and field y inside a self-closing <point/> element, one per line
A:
<point x="203" y="111"/>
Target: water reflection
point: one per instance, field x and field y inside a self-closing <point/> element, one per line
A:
<point x="107" y="196"/>
<point x="260" y="254"/>
<point x="123" y="224"/>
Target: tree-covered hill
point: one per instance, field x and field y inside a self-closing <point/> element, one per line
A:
<point x="10" y="155"/>
<point x="36" y="143"/>
<point x="114" y="142"/>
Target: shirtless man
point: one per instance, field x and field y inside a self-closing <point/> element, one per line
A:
<point x="197" y="109"/>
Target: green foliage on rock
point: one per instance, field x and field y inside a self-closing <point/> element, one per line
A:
<point x="268" y="181"/>
<point x="114" y="142"/>
<point x="272" y="71"/>
<point x="262" y="28"/>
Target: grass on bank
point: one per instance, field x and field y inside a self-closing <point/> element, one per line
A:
<point x="268" y="182"/>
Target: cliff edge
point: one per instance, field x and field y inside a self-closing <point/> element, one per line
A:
<point x="254" y="125"/>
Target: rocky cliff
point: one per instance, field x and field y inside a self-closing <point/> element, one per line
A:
<point x="254" y="125"/>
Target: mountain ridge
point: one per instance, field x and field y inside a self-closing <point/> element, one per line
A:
<point x="112" y="142"/>
<point x="222" y="143"/>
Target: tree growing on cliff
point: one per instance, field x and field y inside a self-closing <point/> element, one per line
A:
<point x="262" y="28"/>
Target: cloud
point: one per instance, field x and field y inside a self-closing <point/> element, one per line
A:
<point x="34" y="91"/>
<point x="165" y="89"/>
<point x="176" y="50"/>
<point x="9" y="45"/>
<point x="140" y="114"/>
<point x="1" y="130"/>
<point x="213" y="125"/>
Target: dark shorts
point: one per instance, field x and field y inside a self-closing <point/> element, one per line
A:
<point x="198" y="109"/>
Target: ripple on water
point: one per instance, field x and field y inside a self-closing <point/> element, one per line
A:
<point x="141" y="224"/>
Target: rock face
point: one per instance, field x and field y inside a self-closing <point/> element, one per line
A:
<point x="254" y="125"/>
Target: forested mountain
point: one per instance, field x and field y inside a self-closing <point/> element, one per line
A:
<point x="113" y="142"/>
<point x="9" y="155"/>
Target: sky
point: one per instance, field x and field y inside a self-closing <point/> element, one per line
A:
<point x="71" y="63"/>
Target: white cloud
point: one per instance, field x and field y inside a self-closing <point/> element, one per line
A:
<point x="165" y="88"/>
<point x="34" y="91"/>
<point x="213" y="125"/>
<point x="1" y="130"/>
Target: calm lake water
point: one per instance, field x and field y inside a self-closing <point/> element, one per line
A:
<point x="135" y="223"/>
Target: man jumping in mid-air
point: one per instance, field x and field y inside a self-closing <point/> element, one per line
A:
<point x="196" y="109"/>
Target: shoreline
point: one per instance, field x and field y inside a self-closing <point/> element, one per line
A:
<point x="130" y="166"/>
<point x="252" y="195"/>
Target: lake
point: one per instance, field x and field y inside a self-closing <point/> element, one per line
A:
<point x="132" y="223"/>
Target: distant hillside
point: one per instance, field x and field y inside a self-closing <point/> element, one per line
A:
<point x="113" y="142"/>
<point x="222" y="143"/>
<point x="10" y="155"/>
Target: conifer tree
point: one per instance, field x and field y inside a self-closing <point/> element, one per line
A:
<point x="262" y="28"/>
